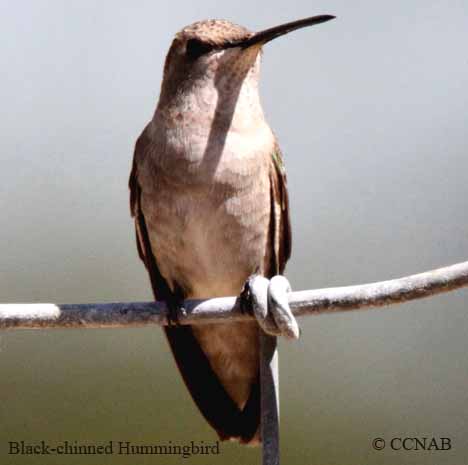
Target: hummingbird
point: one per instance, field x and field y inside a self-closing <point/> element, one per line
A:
<point x="209" y="198"/>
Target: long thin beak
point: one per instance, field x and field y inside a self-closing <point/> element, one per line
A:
<point x="265" y="36"/>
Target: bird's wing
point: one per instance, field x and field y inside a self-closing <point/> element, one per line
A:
<point x="216" y="406"/>
<point x="160" y="286"/>
<point x="280" y="224"/>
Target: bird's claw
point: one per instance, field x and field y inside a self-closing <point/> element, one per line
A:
<point x="268" y="300"/>
<point x="175" y="309"/>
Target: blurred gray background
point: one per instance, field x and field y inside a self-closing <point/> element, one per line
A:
<point x="371" y="111"/>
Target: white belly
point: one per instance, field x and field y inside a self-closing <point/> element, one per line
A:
<point x="208" y="224"/>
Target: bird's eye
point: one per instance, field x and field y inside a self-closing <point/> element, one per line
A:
<point x="196" y="48"/>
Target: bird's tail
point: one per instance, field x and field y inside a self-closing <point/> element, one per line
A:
<point x="214" y="403"/>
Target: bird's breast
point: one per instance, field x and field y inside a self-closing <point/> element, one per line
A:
<point x="206" y="199"/>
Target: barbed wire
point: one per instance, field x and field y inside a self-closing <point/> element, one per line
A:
<point x="310" y="302"/>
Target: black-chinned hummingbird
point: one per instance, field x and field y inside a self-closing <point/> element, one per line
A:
<point x="209" y="198"/>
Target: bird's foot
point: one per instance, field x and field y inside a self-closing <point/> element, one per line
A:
<point x="268" y="301"/>
<point x="175" y="309"/>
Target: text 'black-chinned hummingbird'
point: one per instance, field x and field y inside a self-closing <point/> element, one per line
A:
<point x="209" y="197"/>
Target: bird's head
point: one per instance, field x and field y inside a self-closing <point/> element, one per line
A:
<point x="221" y="53"/>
